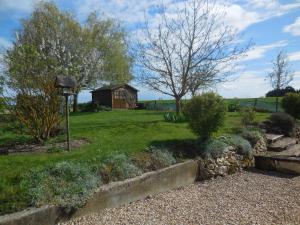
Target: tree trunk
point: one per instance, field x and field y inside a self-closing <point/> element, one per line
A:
<point x="276" y="104"/>
<point x="177" y="99"/>
<point x="75" y="103"/>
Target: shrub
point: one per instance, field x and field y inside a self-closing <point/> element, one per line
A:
<point x="154" y="158"/>
<point x="291" y="104"/>
<point x="174" y="118"/>
<point x="213" y="148"/>
<point x="282" y="123"/>
<point x="234" y="106"/>
<point x="118" y="167"/>
<point x="205" y="113"/>
<point x="94" y="107"/>
<point x="65" y="184"/>
<point x="144" y="160"/>
<point x="39" y="113"/>
<point x="242" y="146"/>
<point x="247" y="116"/>
<point x="253" y="136"/>
<point x="162" y="157"/>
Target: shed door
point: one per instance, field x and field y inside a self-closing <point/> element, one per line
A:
<point x="119" y="99"/>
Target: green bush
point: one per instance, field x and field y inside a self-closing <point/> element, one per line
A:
<point x="213" y="148"/>
<point x="174" y="118"/>
<point x="282" y="123"/>
<point x="291" y="104"/>
<point x="65" y="184"/>
<point x="251" y="135"/>
<point x="247" y="116"/>
<point x="234" y="106"/>
<point x="242" y="146"/>
<point x="118" y="167"/>
<point x="94" y="107"/>
<point x="205" y="113"/>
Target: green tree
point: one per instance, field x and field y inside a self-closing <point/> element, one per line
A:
<point x="205" y="113"/>
<point x="93" y="53"/>
<point x="50" y="43"/>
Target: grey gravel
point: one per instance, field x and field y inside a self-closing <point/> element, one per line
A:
<point x="251" y="197"/>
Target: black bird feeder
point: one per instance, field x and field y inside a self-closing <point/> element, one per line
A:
<point x="67" y="85"/>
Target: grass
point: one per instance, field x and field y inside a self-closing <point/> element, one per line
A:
<point x="123" y="131"/>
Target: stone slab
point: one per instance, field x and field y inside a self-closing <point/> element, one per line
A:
<point x="282" y="144"/>
<point x="273" y="137"/>
<point x="293" y="151"/>
<point x="285" y="164"/>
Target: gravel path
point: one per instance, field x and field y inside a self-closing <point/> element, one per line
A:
<point x="244" y="198"/>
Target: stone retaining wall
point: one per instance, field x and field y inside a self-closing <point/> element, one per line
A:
<point x="112" y="195"/>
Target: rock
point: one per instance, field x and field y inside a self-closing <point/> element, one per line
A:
<point x="260" y="147"/>
<point x="222" y="170"/>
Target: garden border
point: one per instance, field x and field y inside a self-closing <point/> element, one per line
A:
<point x="112" y="195"/>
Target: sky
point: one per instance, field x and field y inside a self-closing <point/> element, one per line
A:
<point x="272" y="25"/>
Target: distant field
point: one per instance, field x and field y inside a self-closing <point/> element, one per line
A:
<point x="268" y="104"/>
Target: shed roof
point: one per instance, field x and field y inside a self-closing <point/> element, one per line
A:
<point x="113" y="87"/>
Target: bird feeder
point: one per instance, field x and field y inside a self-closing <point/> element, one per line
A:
<point x="66" y="85"/>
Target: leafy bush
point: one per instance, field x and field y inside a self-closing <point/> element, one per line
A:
<point x="94" y="107"/>
<point x="242" y="146"/>
<point x="66" y="184"/>
<point x="253" y="136"/>
<point x="247" y="116"/>
<point x="213" y="148"/>
<point x="282" y="123"/>
<point x="205" y="113"/>
<point x="234" y="106"/>
<point x="118" y="167"/>
<point x="291" y="104"/>
<point x="174" y="118"/>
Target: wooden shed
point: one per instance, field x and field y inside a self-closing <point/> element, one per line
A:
<point x="121" y="96"/>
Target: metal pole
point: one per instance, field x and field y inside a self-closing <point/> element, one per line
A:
<point x="67" y="123"/>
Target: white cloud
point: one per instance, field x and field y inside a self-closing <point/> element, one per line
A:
<point x="293" y="28"/>
<point x="4" y="43"/>
<point x="272" y="8"/>
<point x="259" y="51"/>
<point x="249" y="84"/>
<point x="294" y="56"/>
<point x="12" y="5"/>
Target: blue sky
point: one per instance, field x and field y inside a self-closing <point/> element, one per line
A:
<point x="272" y="25"/>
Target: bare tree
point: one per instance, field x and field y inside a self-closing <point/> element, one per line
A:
<point x="187" y="49"/>
<point x="281" y="75"/>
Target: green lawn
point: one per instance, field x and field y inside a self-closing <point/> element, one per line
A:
<point x="122" y="131"/>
